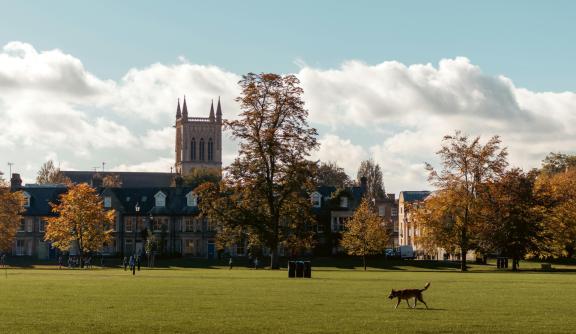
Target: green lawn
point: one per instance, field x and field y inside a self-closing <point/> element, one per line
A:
<point x="335" y="300"/>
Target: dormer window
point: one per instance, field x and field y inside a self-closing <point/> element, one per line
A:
<point x="26" y="199"/>
<point x="316" y="199"/>
<point x="191" y="199"/>
<point x="160" y="199"/>
<point x="343" y="202"/>
<point x="107" y="202"/>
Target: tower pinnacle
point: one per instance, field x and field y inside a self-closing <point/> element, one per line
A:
<point x="185" y="110"/>
<point x="219" y="111"/>
<point x="178" y="113"/>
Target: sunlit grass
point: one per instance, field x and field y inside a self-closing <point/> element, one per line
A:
<point x="192" y="300"/>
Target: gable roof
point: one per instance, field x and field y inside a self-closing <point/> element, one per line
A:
<point x="124" y="200"/>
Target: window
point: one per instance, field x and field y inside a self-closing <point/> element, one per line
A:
<point x="107" y="202"/>
<point x="343" y="202"/>
<point x="191" y="199"/>
<point x="316" y="200"/>
<point x="159" y="223"/>
<point x="193" y="149"/>
<point x="338" y="224"/>
<point x="201" y="149"/>
<point x="188" y="224"/>
<point x="41" y="225"/>
<point x="26" y="199"/>
<point x="160" y="199"/>
<point x="394" y="212"/>
<point x="22" y="226"/>
<point x="210" y="226"/>
<point x="129" y="224"/>
<point x="29" y="224"/>
<point x="20" y="247"/>
<point x="382" y="211"/>
<point x="210" y="150"/>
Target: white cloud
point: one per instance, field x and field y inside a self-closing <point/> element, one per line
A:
<point x="393" y="112"/>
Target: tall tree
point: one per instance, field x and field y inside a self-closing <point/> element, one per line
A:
<point x="467" y="166"/>
<point x="272" y="171"/>
<point x="558" y="162"/>
<point x="11" y="208"/>
<point x="49" y="174"/>
<point x="557" y="195"/>
<point x="330" y="174"/>
<point x="512" y="219"/>
<point x="374" y="181"/>
<point x="365" y="232"/>
<point x="80" y="219"/>
<point x="197" y="176"/>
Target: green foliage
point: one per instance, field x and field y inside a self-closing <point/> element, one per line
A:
<point x="197" y="176"/>
<point x="558" y="162"/>
<point x="330" y="174"/>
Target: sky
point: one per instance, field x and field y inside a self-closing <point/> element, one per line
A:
<point x="86" y="83"/>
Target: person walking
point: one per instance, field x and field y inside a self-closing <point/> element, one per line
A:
<point x="138" y="262"/>
<point x="60" y="260"/>
<point x="230" y="263"/>
<point x="125" y="262"/>
<point x="256" y="263"/>
<point x="132" y="265"/>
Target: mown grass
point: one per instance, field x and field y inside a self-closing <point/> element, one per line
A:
<point x="335" y="300"/>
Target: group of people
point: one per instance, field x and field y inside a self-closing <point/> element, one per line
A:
<point x="75" y="262"/>
<point x="133" y="262"/>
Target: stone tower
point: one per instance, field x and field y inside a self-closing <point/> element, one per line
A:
<point x="198" y="139"/>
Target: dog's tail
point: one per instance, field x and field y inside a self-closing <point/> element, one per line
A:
<point x="426" y="286"/>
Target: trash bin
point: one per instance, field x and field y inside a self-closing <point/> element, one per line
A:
<point x="299" y="268"/>
<point x="307" y="269"/>
<point x="291" y="269"/>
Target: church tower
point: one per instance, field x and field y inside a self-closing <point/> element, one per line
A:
<point x="198" y="139"/>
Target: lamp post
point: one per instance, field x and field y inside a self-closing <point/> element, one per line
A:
<point x="137" y="209"/>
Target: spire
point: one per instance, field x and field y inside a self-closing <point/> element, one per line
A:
<point x="212" y="111"/>
<point x="178" y="113"/>
<point x="184" y="110"/>
<point x="219" y="111"/>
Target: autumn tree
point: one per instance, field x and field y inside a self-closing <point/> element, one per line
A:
<point x="557" y="194"/>
<point x="467" y="166"/>
<point x="374" y="180"/>
<point x="365" y="232"/>
<point x="512" y="217"/>
<point x="555" y="163"/>
<point x="330" y="174"/>
<point x="265" y="187"/>
<point x="50" y="174"/>
<point x="11" y="208"/>
<point x="81" y="220"/>
<point x="197" y="176"/>
<point x="112" y="181"/>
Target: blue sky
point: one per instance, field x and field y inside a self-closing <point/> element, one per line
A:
<point x="83" y="83"/>
<point x="530" y="41"/>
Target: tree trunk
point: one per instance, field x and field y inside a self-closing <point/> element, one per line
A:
<point x="274" y="261"/>
<point x="364" y="260"/>
<point x="515" y="263"/>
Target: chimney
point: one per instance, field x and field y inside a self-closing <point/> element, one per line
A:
<point x="15" y="182"/>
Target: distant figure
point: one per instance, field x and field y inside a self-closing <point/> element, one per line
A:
<point x="138" y="262"/>
<point x="102" y="260"/>
<point x="132" y="265"/>
<point x="3" y="260"/>
<point x="256" y="263"/>
<point x="230" y="263"/>
<point x="125" y="263"/>
<point x="60" y="262"/>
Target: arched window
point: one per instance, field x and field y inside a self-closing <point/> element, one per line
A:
<point x="193" y="149"/>
<point x="210" y="150"/>
<point x="201" y="149"/>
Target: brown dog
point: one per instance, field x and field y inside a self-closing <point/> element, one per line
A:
<point x="407" y="294"/>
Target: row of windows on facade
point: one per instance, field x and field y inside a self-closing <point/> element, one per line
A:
<point x="201" y="149"/>
<point x="185" y="224"/>
<point x="159" y="200"/>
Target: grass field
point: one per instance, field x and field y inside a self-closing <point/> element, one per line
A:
<point x="335" y="300"/>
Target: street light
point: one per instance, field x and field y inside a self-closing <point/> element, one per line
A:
<point x="137" y="209"/>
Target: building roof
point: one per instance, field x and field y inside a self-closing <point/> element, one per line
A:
<point x="124" y="200"/>
<point x="129" y="179"/>
<point x="40" y="199"/>
<point x="413" y="196"/>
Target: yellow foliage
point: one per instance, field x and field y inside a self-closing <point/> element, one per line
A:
<point x="11" y="207"/>
<point x="80" y="218"/>
<point x="365" y="232"/>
